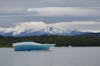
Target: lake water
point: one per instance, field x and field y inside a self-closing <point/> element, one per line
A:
<point x="59" y="56"/>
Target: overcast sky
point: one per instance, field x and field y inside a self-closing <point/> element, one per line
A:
<point x="50" y="11"/>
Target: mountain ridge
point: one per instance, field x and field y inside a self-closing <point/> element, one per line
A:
<point x="48" y="30"/>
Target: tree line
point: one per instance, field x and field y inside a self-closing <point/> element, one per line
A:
<point x="58" y="40"/>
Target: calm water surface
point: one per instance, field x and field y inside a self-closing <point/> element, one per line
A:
<point x="59" y="56"/>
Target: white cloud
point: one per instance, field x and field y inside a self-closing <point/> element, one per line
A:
<point x="85" y="26"/>
<point x="65" y="11"/>
<point x="32" y="26"/>
<point x="21" y="27"/>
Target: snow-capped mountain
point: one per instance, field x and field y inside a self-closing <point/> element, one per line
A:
<point x="48" y="30"/>
<point x="42" y="28"/>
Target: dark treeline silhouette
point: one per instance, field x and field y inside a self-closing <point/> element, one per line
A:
<point x="84" y="40"/>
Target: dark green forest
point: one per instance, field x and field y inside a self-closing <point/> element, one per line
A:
<point x="87" y="40"/>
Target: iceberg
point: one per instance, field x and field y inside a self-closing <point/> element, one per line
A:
<point x="22" y="46"/>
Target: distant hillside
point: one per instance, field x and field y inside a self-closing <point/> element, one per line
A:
<point x="91" y="34"/>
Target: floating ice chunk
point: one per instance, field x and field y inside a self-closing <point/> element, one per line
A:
<point x="21" y="46"/>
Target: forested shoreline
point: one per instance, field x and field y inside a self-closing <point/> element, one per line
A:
<point x="87" y="40"/>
